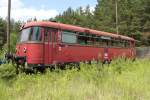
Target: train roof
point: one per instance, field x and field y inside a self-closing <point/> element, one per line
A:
<point x="74" y="28"/>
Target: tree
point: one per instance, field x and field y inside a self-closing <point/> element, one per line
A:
<point x="128" y="17"/>
<point x="104" y="15"/>
<point x="2" y="32"/>
<point x="14" y="27"/>
<point x="80" y="17"/>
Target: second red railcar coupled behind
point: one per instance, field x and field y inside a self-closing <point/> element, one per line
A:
<point x="48" y="43"/>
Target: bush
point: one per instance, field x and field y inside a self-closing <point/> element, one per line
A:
<point x="7" y="71"/>
<point x="2" y="52"/>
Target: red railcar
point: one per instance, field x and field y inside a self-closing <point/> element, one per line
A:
<point x="50" y="43"/>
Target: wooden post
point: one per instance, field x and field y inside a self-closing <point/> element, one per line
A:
<point x="8" y="26"/>
<point x="116" y="1"/>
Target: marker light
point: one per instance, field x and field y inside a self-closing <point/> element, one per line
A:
<point x="25" y="50"/>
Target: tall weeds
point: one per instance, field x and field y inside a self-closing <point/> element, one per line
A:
<point x="121" y="80"/>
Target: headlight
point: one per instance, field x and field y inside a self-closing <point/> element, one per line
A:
<point x="16" y="50"/>
<point x="25" y="50"/>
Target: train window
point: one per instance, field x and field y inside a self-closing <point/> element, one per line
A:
<point x="82" y="40"/>
<point x="82" y="34"/>
<point x="55" y="37"/>
<point x="128" y="43"/>
<point x="97" y="41"/>
<point x="125" y="43"/>
<point x="48" y="35"/>
<point x="85" y="39"/>
<point x="103" y="43"/>
<point x="69" y="37"/>
<point x="24" y="35"/>
<point x="114" y="43"/>
<point x="119" y="43"/>
<point x="93" y="40"/>
<point x="90" y="41"/>
<point x="109" y="43"/>
<point x="122" y="44"/>
<point x="36" y="34"/>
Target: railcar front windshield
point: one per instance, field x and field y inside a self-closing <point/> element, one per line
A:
<point x="24" y="35"/>
<point x="31" y="34"/>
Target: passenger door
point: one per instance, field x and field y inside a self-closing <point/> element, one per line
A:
<point x="50" y="45"/>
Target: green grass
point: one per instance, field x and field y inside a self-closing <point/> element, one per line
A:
<point x="121" y="80"/>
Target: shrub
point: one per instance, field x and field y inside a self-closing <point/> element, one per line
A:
<point x="7" y="71"/>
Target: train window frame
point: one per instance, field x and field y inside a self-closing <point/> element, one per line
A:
<point x="120" y="43"/>
<point x="20" y="34"/>
<point x="40" y="34"/>
<point x="80" y="41"/>
<point x="49" y="37"/>
<point x="104" y="41"/>
<point x="116" y="43"/>
<point x="97" y="42"/>
<point x="93" y="40"/>
<point x="87" y="41"/>
<point x="70" y="33"/>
